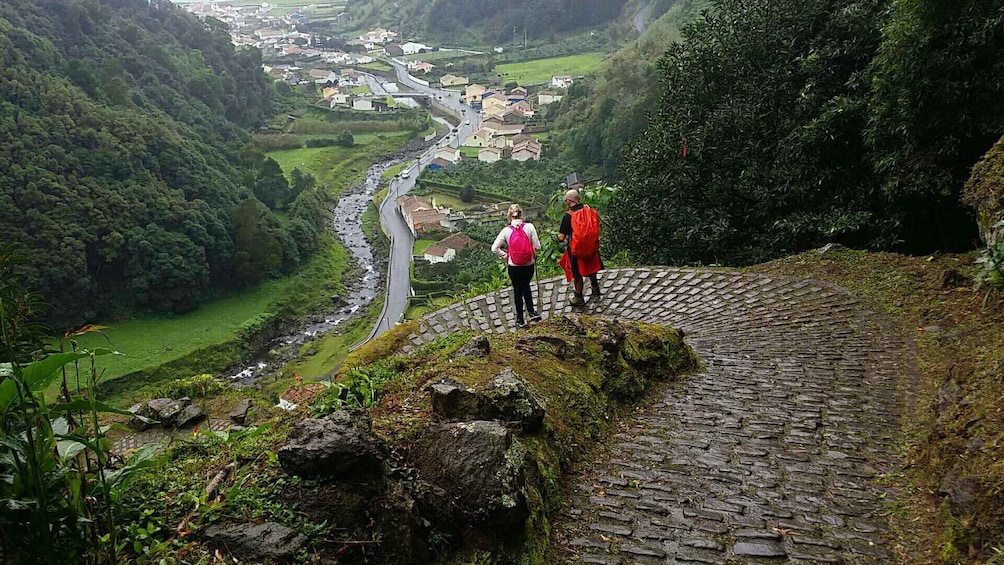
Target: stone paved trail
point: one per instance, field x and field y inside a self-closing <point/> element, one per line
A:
<point x="772" y="453"/>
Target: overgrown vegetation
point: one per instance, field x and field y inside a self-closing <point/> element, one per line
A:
<point x="124" y="121"/>
<point x="785" y="125"/>
<point x="60" y="486"/>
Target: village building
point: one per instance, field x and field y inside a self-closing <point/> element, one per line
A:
<point x="451" y="154"/>
<point x="546" y="97"/>
<point x="563" y="81"/>
<point x="490" y="154"/>
<point x="452" y="80"/>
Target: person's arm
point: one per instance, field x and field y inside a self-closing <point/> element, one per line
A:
<point x="565" y="229"/>
<point x="497" y="245"/>
<point x="534" y="238"/>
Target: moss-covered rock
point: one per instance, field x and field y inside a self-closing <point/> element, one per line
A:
<point x="984" y="192"/>
<point x="485" y="490"/>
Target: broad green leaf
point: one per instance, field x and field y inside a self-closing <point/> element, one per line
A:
<point x="69" y="448"/>
<point x="37" y="376"/>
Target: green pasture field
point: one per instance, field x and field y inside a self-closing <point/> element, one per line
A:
<point x="421" y="245"/>
<point x="451" y="201"/>
<point x="339" y="167"/>
<point x="148" y="342"/>
<point x="541" y="70"/>
<point x="151" y="341"/>
<point x="441" y="56"/>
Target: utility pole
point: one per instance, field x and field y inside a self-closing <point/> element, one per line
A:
<point x="524" y="38"/>
<point x="514" y="34"/>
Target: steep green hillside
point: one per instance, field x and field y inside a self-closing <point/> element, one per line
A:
<point x="610" y="107"/>
<point x="472" y="21"/>
<point x="121" y="122"/>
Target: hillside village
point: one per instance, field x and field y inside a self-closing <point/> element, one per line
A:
<point x="510" y="117"/>
<point x="346" y="76"/>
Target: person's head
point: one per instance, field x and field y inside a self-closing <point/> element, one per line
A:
<point x="572" y="197"/>
<point x="515" y="212"/>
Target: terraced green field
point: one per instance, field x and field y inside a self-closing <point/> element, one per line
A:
<point x="541" y="70"/>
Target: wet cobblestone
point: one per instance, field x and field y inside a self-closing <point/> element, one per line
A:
<point x="770" y="454"/>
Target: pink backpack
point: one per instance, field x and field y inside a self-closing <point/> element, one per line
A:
<point x="520" y="248"/>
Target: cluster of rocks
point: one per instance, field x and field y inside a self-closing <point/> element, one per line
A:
<point x="166" y="412"/>
<point x="468" y="474"/>
<point x="467" y="471"/>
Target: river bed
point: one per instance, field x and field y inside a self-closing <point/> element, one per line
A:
<point x="360" y="291"/>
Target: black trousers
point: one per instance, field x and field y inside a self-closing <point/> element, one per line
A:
<point x="522" y="295"/>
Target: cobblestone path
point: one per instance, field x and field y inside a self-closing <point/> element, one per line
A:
<point x="772" y="453"/>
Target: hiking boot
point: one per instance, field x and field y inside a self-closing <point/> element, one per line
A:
<point x="596" y="290"/>
<point x="577" y="300"/>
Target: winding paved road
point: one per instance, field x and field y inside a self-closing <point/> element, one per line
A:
<point x="402" y="242"/>
<point x="772" y="453"/>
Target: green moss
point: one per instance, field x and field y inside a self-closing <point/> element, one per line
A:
<point x="602" y="366"/>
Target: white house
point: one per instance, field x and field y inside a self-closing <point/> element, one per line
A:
<point x="451" y="154"/>
<point x="364" y="103"/>
<point x="546" y="97"/>
<point x="412" y="48"/>
<point x="489" y="154"/>
<point x="563" y="81"/>
<point x="439" y="254"/>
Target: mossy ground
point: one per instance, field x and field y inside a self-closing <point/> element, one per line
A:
<point x="959" y="335"/>
<point x="958" y="332"/>
<point x="582" y="391"/>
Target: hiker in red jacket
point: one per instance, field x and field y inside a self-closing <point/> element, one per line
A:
<point x="580" y="226"/>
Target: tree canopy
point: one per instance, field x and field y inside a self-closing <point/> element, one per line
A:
<point x="786" y="124"/>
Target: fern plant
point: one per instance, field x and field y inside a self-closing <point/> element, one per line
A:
<point x="990" y="263"/>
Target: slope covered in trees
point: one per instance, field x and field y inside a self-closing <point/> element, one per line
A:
<point x="785" y="124"/>
<point x="611" y="106"/>
<point x="120" y="126"/>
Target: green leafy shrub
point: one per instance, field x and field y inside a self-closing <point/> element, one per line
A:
<point x="198" y="386"/>
<point x="991" y="263"/>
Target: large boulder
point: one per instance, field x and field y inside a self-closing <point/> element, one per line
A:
<point x="341" y="446"/>
<point x="256" y="542"/>
<point x="453" y="401"/>
<point x="239" y="414"/>
<point x="477" y="347"/>
<point x="514" y="401"/>
<point x="481" y="468"/>
<point x="984" y="192"/>
<point x="166" y="412"/>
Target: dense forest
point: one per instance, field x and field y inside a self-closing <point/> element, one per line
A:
<point x="123" y="175"/>
<point x="780" y="125"/>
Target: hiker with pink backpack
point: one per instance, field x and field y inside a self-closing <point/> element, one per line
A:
<point x="521" y="244"/>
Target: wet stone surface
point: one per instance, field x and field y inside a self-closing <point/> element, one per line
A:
<point x="770" y="454"/>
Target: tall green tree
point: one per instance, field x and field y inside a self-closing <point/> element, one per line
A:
<point x="756" y="149"/>
<point x="259" y="243"/>
<point x="936" y="106"/>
